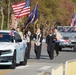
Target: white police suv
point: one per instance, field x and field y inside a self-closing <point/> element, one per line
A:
<point x="12" y="49"/>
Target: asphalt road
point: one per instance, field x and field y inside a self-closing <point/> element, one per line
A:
<point x="35" y="67"/>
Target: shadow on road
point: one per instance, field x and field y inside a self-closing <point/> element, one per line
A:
<point x="45" y="57"/>
<point x="42" y="57"/>
<point x="3" y="67"/>
<point x="67" y="51"/>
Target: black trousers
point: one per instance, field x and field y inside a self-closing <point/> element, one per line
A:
<point x="50" y="51"/>
<point x="37" y="50"/>
<point x="57" y="47"/>
<point x="28" y="49"/>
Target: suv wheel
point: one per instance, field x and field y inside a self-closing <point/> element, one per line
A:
<point x="74" y="47"/>
<point x="25" y="58"/>
<point x="24" y="62"/>
<point x="13" y="61"/>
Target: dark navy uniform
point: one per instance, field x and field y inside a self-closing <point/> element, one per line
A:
<point x="28" y="38"/>
<point x="38" y="45"/>
<point x="50" y="45"/>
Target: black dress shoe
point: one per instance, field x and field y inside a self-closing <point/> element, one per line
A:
<point x="57" y="54"/>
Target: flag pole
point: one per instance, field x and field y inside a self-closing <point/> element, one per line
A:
<point x="34" y="23"/>
<point x="32" y="19"/>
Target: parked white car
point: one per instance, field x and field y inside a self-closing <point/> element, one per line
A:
<point x="12" y="49"/>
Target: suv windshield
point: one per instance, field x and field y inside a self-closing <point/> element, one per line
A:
<point x="66" y="29"/>
<point x="5" y="37"/>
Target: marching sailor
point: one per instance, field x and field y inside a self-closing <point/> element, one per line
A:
<point x="28" y="38"/>
<point x="38" y="43"/>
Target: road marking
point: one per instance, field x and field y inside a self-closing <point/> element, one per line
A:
<point x="5" y="71"/>
<point x="42" y="73"/>
<point x="22" y="67"/>
<point x="32" y="62"/>
<point x="45" y="67"/>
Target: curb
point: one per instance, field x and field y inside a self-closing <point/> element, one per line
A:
<point x="42" y="73"/>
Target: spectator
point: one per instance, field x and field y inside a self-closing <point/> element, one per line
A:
<point x="20" y="33"/>
<point x="58" y="38"/>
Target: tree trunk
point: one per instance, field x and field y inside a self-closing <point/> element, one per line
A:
<point x="2" y="18"/>
<point x="8" y="22"/>
<point x="14" y="22"/>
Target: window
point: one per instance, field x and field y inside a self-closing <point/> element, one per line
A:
<point x="5" y="37"/>
<point x="17" y="37"/>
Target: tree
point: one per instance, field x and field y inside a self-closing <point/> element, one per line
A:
<point x="74" y="1"/>
<point x="2" y="14"/>
<point x="68" y="10"/>
<point x="53" y="11"/>
<point x="8" y="22"/>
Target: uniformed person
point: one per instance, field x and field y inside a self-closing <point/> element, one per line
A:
<point x="28" y="38"/>
<point x="38" y="43"/>
<point x="50" y="41"/>
<point x="20" y="33"/>
<point x="58" y="38"/>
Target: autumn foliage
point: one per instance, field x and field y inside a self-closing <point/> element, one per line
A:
<point x="58" y="12"/>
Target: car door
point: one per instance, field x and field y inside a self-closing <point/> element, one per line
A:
<point x="20" y="47"/>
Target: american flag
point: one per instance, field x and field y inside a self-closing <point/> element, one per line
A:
<point x="73" y="20"/>
<point x="21" y="9"/>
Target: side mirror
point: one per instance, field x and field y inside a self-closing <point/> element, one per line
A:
<point x="12" y="39"/>
<point x="18" y="40"/>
